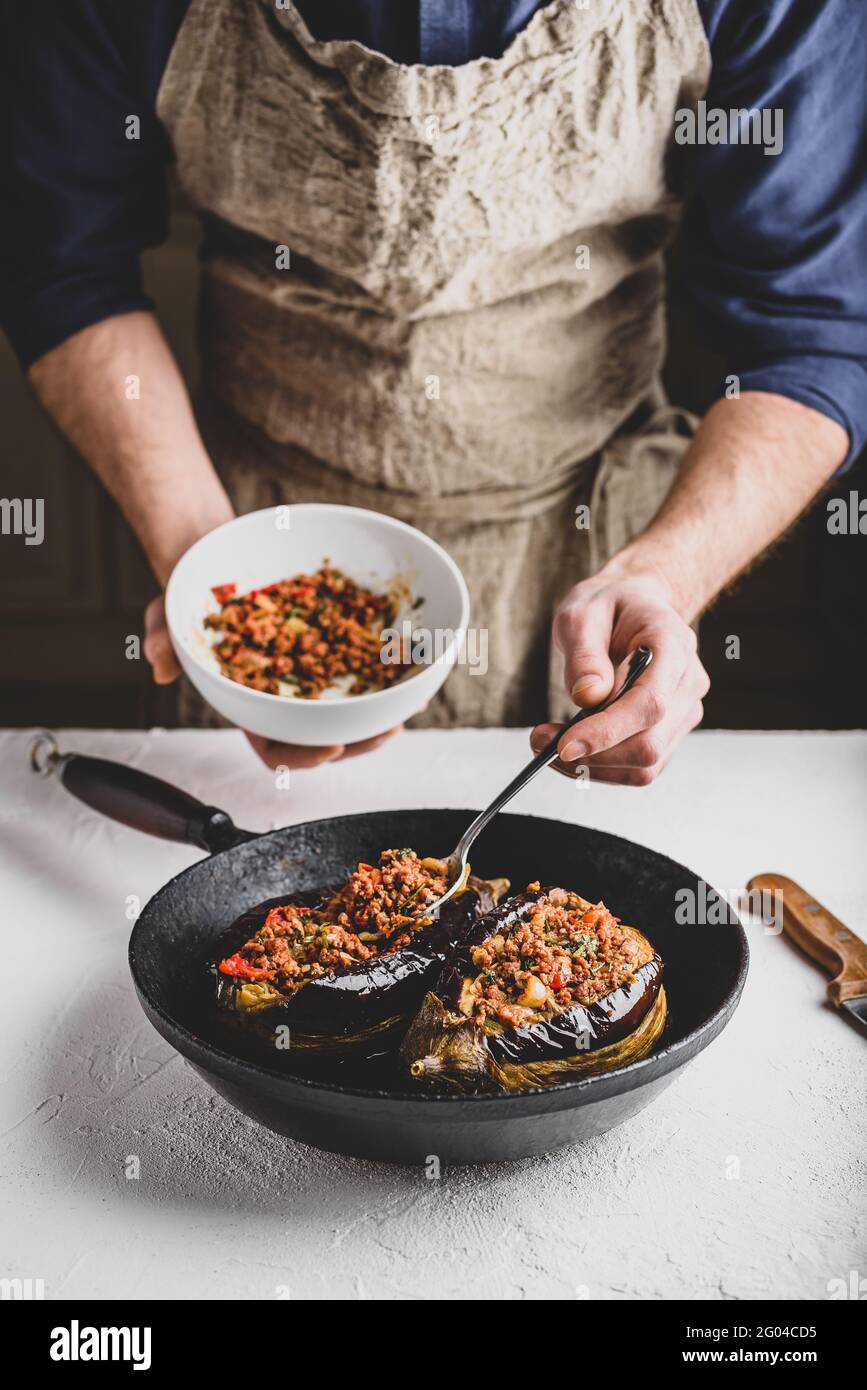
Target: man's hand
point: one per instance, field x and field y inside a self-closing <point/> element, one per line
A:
<point x="293" y="755"/>
<point x="597" y="625"/>
<point x="754" y="464"/>
<point x="158" y="647"/>
<point x="160" y="653"/>
<point x="150" y="456"/>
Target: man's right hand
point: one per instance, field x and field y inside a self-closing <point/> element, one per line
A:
<point x="160" y="653"/>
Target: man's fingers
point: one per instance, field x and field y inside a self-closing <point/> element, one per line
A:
<point x="296" y="757"/>
<point x="542" y="734"/>
<point x="644" y="752"/>
<point x="649" y="750"/>
<point x="583" y="634"/>
<point x="639" y="760"/>
<point x="613" y="776"/>
<point x="367" y="745"/>
<point x="161" y="654"/>
<point x="157" y="644"/>
<point x="642" y="707"/>
<point x="652" y="712"/>
<point x="638" y="709"/>
<point x="155" y="616"/>
<point x="292" y="755"/>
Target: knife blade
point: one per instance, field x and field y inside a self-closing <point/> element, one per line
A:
<point x="827" y="940"/>
<point x="856" y="1012"/>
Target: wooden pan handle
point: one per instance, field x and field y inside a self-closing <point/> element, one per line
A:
<point x="822" y="935"/>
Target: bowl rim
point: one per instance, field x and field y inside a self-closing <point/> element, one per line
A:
<point x="389" y="523"/>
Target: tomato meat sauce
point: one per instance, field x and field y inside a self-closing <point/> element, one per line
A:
<point x="565" y="952"/>
<point x="305" y="633"/>
<point x="376" y="911"/>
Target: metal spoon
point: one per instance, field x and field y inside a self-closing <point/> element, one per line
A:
<point x="456" y="862"/>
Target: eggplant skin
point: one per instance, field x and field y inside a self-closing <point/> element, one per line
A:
<point x="339" y="1010"/>
<point x="594" y="1025"/>
<point x="457" y="1058"/>
<point x="448" y="1049"/>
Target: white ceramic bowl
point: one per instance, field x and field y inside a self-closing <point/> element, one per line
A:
<point x="279" y="542"/>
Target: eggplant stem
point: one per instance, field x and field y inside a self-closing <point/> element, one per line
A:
<point x="425" y="1066"/>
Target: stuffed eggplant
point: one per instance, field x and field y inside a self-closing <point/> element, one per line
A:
<point x="344" y="966"/>
<point x="547" y="987"/>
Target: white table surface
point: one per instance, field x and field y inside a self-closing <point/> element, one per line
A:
<point x="224" y="1209"/>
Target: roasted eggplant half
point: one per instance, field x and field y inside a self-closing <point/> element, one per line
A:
<point x="547" y="987"/>
<point x="344" y="966"/>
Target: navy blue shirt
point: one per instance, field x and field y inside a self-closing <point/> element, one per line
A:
<point x="775" y="246"/>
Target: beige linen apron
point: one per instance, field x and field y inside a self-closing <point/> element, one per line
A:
<point x="438" y="292"/>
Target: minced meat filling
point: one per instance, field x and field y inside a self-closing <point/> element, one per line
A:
<point x="376" y="911"/>
<point x="305" y="633"/>
<point x="566" y="952"/>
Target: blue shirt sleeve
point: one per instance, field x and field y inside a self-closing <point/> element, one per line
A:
<point x="82" y="189"/>
<point x="776" y="244"/>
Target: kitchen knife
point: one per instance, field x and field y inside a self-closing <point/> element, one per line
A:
<point x="824" y="937"/>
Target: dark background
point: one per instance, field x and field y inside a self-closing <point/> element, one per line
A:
<point x="67" y="606"/>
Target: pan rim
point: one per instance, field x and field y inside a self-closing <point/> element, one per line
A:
<point x="638" y="1072"/>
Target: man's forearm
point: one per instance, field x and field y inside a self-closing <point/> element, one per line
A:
<point x="116" y="393"/>
<point x="753" y="467"/>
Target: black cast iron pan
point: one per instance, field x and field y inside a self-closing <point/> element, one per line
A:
<point x="370" y="1110"/>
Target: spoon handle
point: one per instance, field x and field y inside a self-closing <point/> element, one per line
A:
<point x="638" y="662"/>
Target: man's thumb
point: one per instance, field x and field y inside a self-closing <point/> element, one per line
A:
<point x="593" y="686"/>
<point x="583" y="634"/>
<point x="589" y="672"/>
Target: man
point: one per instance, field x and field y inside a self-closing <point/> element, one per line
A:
<point x="433" y="285"/>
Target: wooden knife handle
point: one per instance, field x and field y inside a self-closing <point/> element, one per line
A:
<point x="822" y="935"/>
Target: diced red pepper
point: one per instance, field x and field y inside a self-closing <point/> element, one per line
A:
<point x="241" y="968"/>
<point x="222" y="592"/>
